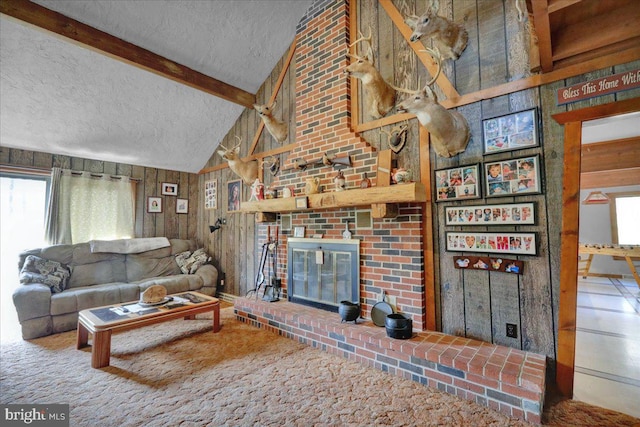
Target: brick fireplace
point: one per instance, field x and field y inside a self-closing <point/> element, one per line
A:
<point x="391" y="256"/>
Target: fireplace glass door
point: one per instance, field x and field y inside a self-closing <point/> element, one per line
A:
<point x="322" y="274"/>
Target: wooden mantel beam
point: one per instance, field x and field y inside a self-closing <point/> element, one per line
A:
<point x="83" y="35"/>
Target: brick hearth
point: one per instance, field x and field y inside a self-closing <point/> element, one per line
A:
<point x="507" y="380"/>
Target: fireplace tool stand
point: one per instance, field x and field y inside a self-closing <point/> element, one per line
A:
<point x="271" y="292"/>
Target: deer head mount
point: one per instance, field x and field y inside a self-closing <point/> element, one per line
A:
<point x="247" y="170"/>
<point x="449" y="129"/>
<point x="380" y="95"/>
<point x="448" y="37"/>
<point x="277" y="128"/>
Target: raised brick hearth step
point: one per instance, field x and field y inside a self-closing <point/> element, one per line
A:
<point x="505" y="379"/>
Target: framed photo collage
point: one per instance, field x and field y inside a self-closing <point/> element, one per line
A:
<point x="500" y="178"/>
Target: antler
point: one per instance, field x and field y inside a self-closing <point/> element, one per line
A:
<point x="435" y="54"/>
<point x="239" y="141"/>
<point x="366" y="39"/>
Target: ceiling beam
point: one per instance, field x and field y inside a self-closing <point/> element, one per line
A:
<point x="91" y="38"/>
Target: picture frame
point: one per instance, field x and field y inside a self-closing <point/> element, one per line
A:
<point x="302" y="202"/>
<point x="500" y="214"/>
<point x="514" y="131"/>
<point x="515" y="243"/>
<point x="211" y="194"/>
<point x="182" y="206"/>
<point x="169" y="189"/>
<point x="234" y="194"/>
<point x="458" y="183"/>
<point x="512" y="177"/>
<point x="154" y="204"/>
<point x="298" y="231"/>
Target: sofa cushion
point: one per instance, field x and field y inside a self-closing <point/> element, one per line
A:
<point x="51" y="273"/>
<point x="174" y="284"/>
<point x="74" y="300"/>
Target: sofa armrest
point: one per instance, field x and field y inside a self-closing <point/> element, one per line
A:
<point x="209" y="275"/>
<point x="32" y="300"/>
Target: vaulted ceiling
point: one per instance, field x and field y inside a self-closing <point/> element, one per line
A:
<point x="59" y="96"/>
<point x="196" y="65"/>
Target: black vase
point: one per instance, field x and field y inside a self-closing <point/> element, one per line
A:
<point x="349" y="311"/>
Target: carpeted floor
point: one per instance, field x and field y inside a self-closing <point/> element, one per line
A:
<point x="180" y="374"/>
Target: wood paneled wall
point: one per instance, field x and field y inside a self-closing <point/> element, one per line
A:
<point x="167" y="223"/>
<point x="236" y="246"/>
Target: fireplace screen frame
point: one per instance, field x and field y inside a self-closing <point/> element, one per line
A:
<point x="301" y="250"/>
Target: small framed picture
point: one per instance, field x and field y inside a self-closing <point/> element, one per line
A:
<point x="234" y="190"/>
<point x="505" y="214"/>
<point x="169" y="189"/>
<point x="301" y="202"/>
<point x="154" y="204"/>
<point x="211" y="194"/>
<point x="182" y="206"/>
<point x="298" y="231"/>
<point x="458" y="183"/>
<point x="499" y="243"/>
<point x="512" y="177"/>
<point x="510" y="132"/>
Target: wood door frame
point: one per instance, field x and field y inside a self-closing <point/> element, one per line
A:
<point x="572" y="121"/>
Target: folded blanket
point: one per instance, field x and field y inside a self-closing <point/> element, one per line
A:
<point x="129" y="246"/>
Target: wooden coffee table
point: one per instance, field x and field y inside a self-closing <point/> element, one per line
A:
<point x="104" y="321"/>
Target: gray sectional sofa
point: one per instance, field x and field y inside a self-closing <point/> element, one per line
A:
<point x="85" y="277"/>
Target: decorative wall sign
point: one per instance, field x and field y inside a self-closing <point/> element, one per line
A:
<point x="182" y="206"/>
<point x="605" y="85"/>
<point x="461" y="182"/>
<point x="511" y="177"/>
<point x="234" y="189"/>
<point x="211" y="194"/>
<point x="495" y="263"/>
<point x="169" y="189"/>
<point x="511" y="132"/>
<point x="504" y="214"/>
<point x="154" y="204"/>
<point x="500" y="243"/>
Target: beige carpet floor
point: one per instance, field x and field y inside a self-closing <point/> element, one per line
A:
<point x="180" y="374"/>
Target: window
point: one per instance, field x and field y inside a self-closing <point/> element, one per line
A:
<point x="97" y="207"/>
<point x="625" y="227"/>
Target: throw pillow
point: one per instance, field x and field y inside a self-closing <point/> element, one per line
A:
<point x="190" y="262"/>
<point x="39" y="270"/>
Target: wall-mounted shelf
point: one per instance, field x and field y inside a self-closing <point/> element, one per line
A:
<point x="401" y="193"/>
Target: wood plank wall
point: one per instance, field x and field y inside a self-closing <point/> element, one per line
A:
<point x="237" y="244"/>
<point x="167" y="223"/>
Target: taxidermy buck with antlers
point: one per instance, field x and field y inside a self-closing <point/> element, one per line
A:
<point x="278" y="129"/>
<point x="380" y="95"/>
<point x="448" y="37"/>
<point x="449" y="130"/>
<point x="247" y="170"/>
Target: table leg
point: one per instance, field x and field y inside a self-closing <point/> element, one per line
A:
<point x="633" y="269"/>
<point x="216" y="318"/>
<point x="587" y="267"/>
<point x="101" y="350"/>
<point x="83" y="336"/>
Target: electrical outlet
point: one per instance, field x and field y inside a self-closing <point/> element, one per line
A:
<point x="512" y="330"/>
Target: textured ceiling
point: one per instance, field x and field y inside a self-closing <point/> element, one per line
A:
<point x="59" y="98"/>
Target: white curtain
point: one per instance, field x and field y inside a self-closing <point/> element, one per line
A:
<point x="94" y="206"/>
